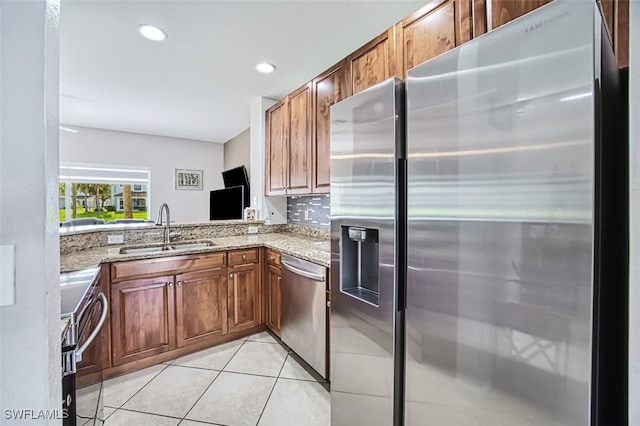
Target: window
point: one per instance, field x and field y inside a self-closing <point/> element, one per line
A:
<point x="88" y="190"/>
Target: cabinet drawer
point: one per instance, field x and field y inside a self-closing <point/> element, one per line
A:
<point x="273" y="257"/>
<point x="240" y="257"/>
<point x="164" y="265"/>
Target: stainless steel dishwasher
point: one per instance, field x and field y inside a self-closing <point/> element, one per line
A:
<point x="303" y="324"/>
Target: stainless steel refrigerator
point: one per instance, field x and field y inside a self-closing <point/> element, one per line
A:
<point x="367" y="161"/>
<point x="513" y="310"/>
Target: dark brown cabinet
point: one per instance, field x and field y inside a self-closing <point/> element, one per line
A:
<point x="142" y="318"/>
<point x="276" y="151"/>
<point x="201" y="308"/>
<point x="244" y="301"/>
<point x="328" y="88"/>
<point x="273" y="295"/>
<point x="372" y="63"/>
<point x="503" y="11"/>
<point x="616" y="16"/>
<point x="437" y="27"/>
<point x="288" y="144"/>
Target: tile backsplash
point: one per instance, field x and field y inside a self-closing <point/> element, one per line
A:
<point x="316" y="207"/>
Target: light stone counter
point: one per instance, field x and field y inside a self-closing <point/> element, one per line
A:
<point x="309" y="248"/>
<point x="64" y="326"/>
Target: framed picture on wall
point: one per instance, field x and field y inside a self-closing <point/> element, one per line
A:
<point x="188" y="179"/>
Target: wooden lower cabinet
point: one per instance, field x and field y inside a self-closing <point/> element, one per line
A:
<point x="142" y="318"/>
<point x="244" y="297"/>
<point x="160" y="309"/>
<point x="201" y="306"/>
<point x="274" y="298"/>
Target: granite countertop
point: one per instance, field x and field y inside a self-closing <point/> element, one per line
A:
<point x="312" y="249"/>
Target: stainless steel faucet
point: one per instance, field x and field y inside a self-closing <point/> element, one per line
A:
<point x="167" y="230"/>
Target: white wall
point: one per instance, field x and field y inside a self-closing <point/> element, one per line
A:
<point x="162" y="155"/>
<point x="237" y="152"/>
<point x="272" y="209"/>
<point x="30" y="330"/>
<point x="634" y="214"/>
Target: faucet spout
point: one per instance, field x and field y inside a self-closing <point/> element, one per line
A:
<point x="167" y="230"/>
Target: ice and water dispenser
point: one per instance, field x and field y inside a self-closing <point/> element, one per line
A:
<point x="359" y="262"/>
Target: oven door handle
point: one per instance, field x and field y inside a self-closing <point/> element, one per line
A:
<point x="105" y="309"/>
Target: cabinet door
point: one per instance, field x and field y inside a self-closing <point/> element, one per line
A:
<point x="201" y="308"/>
<point x="299" y="156"/>
<point x="142" y="318"/>
<point x="503" y="11"/>
<point x="372" y="63"/>
<point x="244" y="297"/>
<point x="328" y="88"/>
<point x="616" y="16"/>
<point x="276" y="150"/>
<point x="434" y="29"/>
<point x="273" y="298"/>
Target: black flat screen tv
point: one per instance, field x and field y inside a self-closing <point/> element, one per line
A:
<point x="226" y="204"/>
<point x="238" y="176"/>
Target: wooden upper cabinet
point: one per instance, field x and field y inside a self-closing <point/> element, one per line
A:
<point x="616" y="16"/>
<point x="201" y="306"/>
<point x="328" y="88"/>
<point x="142" y="318"/>
<point x="372" y="63"/>
<point x="437" y="27"/>
<point x="300" y="122"/>
<point x="276" y="149"/>
<point x="503" y="11"/>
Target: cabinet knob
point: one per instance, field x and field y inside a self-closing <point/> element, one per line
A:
<point x="244" y="257"/>
<point x="170" y="284"/>
<point x="279" y="278"/>
<point x="272" y="258"/>
<point x="230" y="275"/>
<point x="328" y="303"/>
<point x="179" y="283"/>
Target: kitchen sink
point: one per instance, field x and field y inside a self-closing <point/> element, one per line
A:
<point x="141" y="250"/>
<point x="188" y="245"/>
<point x="182" y="245"/>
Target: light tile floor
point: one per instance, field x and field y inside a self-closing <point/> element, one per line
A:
<point x="249" y="381"/>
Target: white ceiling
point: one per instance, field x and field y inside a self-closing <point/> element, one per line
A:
<point x="199" y="83"/>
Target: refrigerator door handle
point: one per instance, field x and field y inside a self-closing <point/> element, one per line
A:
<point x="306" y="274"/>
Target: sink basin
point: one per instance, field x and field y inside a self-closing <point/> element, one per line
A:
<point x="141" y="250"/>
<point x="181" y="245"/>
<point x="187" y="245"/>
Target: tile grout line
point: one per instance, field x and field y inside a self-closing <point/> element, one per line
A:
<point x="272" y="388"/>
<point x="213" y="381"/>
<point x="143" y="386"/>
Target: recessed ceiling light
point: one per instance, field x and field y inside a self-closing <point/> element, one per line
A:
<point x="151" y="32"/>
<point x="265" y="67"/>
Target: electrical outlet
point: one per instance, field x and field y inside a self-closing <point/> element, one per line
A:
<point x="252" y="230"/>
<point x="306" y="215"/>
<point x="115" y="239"/>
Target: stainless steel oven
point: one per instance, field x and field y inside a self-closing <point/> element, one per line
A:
<point x="83" y="302"/>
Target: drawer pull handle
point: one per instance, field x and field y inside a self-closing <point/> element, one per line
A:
<point x="244" y="257"/>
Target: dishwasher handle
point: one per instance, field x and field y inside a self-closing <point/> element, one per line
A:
<point x="302" y="272"/>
